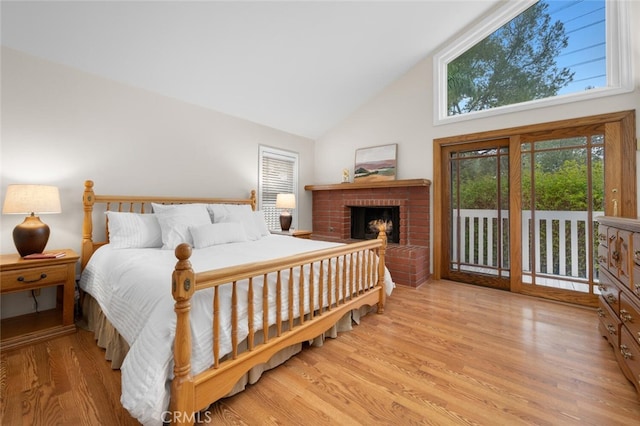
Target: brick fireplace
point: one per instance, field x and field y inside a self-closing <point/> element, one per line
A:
<point x="409" y="259"/>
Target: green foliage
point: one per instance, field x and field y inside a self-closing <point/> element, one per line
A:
<point x="565" y="189"/>
<point x="479" y="193"/>
<point x="478" y="180"/>
<point x="515" y="64"/>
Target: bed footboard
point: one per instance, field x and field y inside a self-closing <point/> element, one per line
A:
<point x="312" y="291"/>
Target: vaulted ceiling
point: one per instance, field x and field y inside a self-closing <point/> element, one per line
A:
<point x="301" y="66"/>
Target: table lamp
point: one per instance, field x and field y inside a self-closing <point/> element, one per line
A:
<point x="31" y="236"/>
<point x="286" y="202"/>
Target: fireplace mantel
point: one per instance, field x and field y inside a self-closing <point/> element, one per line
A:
<point x="409" y="259"/>
<point x="369" y="185"/>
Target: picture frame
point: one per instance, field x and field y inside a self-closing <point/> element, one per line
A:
<point x="376" y="163"/>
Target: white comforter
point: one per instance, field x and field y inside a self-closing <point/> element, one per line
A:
<point x="136" y="298"/>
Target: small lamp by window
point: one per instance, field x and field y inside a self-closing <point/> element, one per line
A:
<point x="31" y="236"/>
<point x="286" y="202"/>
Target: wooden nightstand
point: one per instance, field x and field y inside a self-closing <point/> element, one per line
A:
<point x="17" y="274"/>
<point x="297" y="233"/>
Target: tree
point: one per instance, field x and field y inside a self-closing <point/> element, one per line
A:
<point x="517" y="63"/>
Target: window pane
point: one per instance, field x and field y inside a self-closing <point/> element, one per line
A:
<point x="554" y="47"/>
<point x="278" y="174"/>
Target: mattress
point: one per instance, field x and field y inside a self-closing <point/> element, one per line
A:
<point x="133" y="289"/>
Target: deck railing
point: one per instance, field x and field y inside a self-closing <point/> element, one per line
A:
<point x="558" y="240"/>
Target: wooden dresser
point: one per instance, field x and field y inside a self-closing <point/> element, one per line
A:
<point x="619" y="301"/>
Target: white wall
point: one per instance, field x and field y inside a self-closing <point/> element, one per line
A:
<point x="403" y="114"/>
<point x="61" y="127"/>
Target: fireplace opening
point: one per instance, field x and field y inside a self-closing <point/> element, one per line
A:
<point x="364" y="222"/>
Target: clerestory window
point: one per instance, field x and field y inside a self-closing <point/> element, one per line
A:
<point x="547" y="52"/>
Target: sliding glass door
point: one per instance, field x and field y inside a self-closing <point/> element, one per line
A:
<point x="517" y="209"/>
<point x="562" y="191"/>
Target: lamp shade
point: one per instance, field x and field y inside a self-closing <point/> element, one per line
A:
<point x="28" y="199"/>
<point x="286" y="201"/>
<point x="31" y="236"/>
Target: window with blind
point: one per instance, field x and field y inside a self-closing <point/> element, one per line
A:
<point x="278" y="174"/>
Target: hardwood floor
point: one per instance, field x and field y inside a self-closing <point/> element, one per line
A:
<point x="445" y="353"/>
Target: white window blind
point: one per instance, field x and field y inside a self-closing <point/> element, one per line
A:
<point x="278" y="174"/>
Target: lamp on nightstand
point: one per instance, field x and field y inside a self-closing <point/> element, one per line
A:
<point x="286" y="202"/>
<point x="31" y="236"/>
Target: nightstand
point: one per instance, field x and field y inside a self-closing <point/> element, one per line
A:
<point x="16" y="275"/>
<point x="297" y="233"/>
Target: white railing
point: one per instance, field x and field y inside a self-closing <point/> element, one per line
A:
<point x="568" y="254"/>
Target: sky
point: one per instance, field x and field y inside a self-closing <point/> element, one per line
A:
<point x="584" y="22"/>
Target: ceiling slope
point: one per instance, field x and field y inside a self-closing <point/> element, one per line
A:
<point x="300" y="67"/>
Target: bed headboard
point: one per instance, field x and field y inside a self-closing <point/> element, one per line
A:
<point x="130" y="203"/>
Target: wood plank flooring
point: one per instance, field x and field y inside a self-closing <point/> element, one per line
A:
<point x="445" y="353"/>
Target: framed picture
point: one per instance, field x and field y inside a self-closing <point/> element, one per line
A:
<point x="376" y="163"/>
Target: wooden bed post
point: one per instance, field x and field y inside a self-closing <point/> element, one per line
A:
<point x="88" y="198"/>
<point x="182" y="387"/>
<point x="254" y="200"/>
<point x="382" y="235"/>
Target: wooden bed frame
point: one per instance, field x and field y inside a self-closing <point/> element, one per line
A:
<point x="348" y="288"/>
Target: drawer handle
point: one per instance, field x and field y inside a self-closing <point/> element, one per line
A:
<point x="602" y="237"/>
<point x="612" y="329"/>
<point x="625" y="315"/>
<point x="615" y="255"/>
<point x="602" y="288"/>
<point x="22" y="280"/>
<point x="600" y="312"/>
<point x="611" y="298"/>
<point x="626" y="354"/>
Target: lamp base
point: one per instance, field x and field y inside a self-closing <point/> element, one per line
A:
<point x="31" y="236"/>
<point x="285" y="221"/>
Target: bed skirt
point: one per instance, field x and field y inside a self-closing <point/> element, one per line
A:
<point x="116" y="347"/>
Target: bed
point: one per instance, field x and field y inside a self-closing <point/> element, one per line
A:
<point x="200" y="305"/>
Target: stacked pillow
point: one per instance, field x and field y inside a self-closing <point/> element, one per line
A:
<point x="134" y="230"/>
<point x="200" y="225"/>
<point x="175" y="220"/>
<point x="253" y="221"/>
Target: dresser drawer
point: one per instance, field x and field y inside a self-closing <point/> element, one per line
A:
<point x="635" y="264"/>
<point x="609" y="325"/>
<point x="629" y="355"/>
<point x="635" y="288"/>
<point x="612" y="237"/>
<point x="623" y="245"/>
<point x="603" y="235"/>
<point x="36" y="277"/>
<point x="609" y="291"/>
<point x="630" y="315"/>
<point x="603" y="256"/>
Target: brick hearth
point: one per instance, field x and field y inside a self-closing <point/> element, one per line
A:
<point x="408" y="261"/>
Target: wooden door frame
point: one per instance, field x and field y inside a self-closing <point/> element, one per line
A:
<point x="619" y="126"/>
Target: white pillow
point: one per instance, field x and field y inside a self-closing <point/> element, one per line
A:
<point x="217" y="233"/>
<point x="261" y="223"/>
<point x="133" y="230"/>
<point x="175" y="221"/>
<point x="226" y="212"/>
<point x="253" y="222"/>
